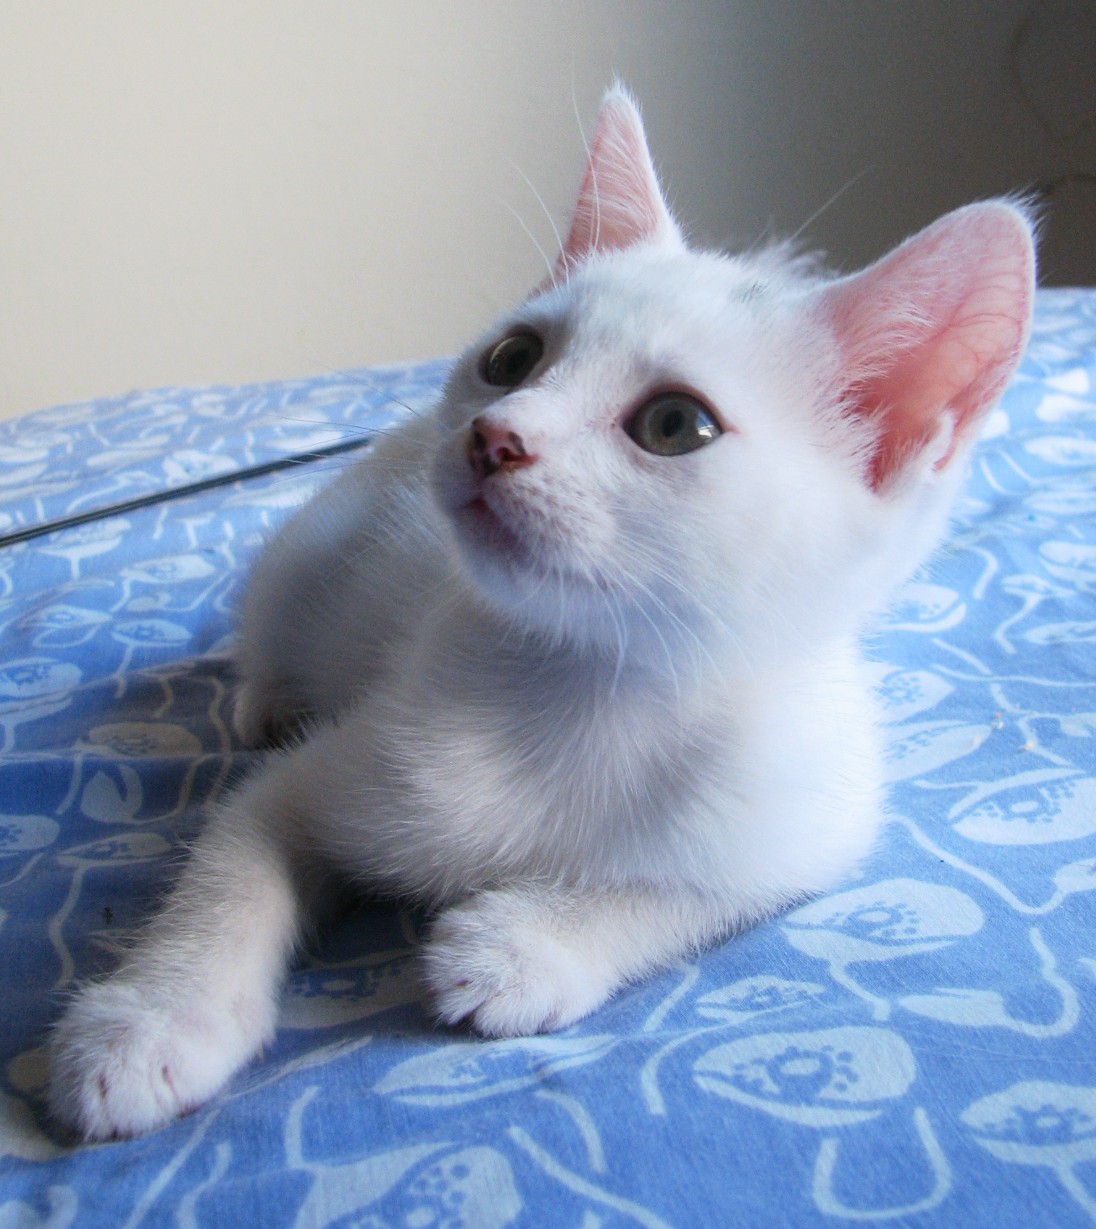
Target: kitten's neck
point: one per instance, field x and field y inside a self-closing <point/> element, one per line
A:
<point x="675" y="662"/>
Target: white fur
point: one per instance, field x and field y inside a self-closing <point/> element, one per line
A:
<point x="623" y="713"/>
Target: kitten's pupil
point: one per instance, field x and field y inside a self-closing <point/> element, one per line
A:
<point x="671" y="424"/>
<point x="510" y="362"/>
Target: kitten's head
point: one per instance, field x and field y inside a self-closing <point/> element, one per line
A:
<point x="662" y="448"/>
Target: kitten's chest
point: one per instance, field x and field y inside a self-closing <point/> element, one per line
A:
<point x="562" y="766"/>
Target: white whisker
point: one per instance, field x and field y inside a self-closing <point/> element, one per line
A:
<point x="540" y="201"/>
<point x="532" y="238"/>
<point x="828" y="204"/>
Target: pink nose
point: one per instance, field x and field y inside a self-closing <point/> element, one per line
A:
<point x="491" y="448"/>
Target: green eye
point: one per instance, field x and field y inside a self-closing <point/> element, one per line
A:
<point x="511" y="361"/>
<point x="671" y="424"/>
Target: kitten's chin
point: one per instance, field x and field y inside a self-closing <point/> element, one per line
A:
<point x="488" y="540"/>
<point x="572" y="606"/>
<point x="513" y="576"/>
<point x="497" y="558"/>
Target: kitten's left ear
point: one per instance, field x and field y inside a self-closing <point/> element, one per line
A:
<point x="620" y="202"/>
<point x="931" y="334"/>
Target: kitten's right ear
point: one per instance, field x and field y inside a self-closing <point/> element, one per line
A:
<point x="620" y="202"/>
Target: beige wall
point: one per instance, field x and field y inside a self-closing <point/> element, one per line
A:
<point x="225" y="190"/>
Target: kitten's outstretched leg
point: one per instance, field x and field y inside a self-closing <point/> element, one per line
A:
<point x="521" y="960"/>
<point x="197" y="996"/>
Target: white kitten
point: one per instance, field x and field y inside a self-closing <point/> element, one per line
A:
<point x="577" y="650"/>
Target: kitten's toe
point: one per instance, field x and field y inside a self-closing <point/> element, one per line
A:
<point x="494" y="963"/>
<point x="121" y="1066"/>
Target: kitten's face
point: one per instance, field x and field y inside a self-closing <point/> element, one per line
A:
<point x="639" y="452"/>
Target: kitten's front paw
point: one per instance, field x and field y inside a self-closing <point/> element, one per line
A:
<point x="121" y="1065"/>
<point x="495" y="962"/>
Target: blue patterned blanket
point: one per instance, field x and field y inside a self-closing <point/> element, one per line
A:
<point x="915" y="1049"/>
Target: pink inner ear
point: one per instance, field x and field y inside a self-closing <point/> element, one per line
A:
<point x="932" y="333"/>
<point x="620" y="202"/>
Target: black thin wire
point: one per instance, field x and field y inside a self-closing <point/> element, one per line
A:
<point x="74" y="519"/>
